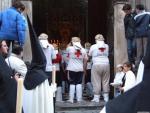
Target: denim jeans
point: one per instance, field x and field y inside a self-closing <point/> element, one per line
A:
<point x="131" y="49"/>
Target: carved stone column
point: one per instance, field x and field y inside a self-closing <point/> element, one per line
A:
<point x="4" y="4"/>
<point x="120" y="43"/>
<point x="27" y="47"/>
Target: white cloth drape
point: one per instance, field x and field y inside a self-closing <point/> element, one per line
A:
<point x="40" y="99"/>
<point x="103" y="110"/>
<point x="140" y="73"/>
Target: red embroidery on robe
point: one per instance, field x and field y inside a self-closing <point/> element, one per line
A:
<point x="102" y="49"/>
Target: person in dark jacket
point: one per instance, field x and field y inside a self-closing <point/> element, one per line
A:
<point x="13" y="23"/>
<point x="142" y="30"/>
<point x="129" y="24"/>
<point x="8" y="83"/>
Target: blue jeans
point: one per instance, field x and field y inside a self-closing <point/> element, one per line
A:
<point x="131" y="49"/>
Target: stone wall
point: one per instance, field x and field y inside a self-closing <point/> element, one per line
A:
<point x="4" y="4"/>
<point x="27" y="47"/>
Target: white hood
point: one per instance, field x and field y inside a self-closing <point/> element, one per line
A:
<point x="44" y="43"/>
<point x="100" y="43"/>
<point x="77" y="45"/>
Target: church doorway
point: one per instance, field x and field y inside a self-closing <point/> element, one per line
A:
<point x="62" y="19"/>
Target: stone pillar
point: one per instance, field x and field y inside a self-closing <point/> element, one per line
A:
<point x="27" y="47"/>
<point x="120" y="43"/>
<point x="4" y="4"/>
<point x="148" y="5"/>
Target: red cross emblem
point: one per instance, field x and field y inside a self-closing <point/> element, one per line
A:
<point x="102" y="49"/>
<point x="68" y="55"/>
<point x="78" y="53"/>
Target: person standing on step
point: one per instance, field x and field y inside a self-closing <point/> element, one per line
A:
<point x="49" y="52"/>
<point x="57" y="63"/>
<point x="64" y="63"/>
<point x="89" y="86"/>
<point x="100" y="69"/>
<point x="76" y="67"/>
<point x="129" y="24"/>
<point x="13" y="24"/>
<point x="142" y="31"/>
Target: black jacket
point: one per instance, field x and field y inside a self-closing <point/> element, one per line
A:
<point x="142" y="22"/>
<point x="8" y="89"/>
<point x="129" y="24"/>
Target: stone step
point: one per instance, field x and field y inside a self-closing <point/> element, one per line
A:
<point x="80" y="111"/>
<point x="83" y="107"/>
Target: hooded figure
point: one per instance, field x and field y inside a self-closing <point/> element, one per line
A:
<point x="38" y="95"/>
<point x="8" y="89"/>
<point x="136" y="99"/>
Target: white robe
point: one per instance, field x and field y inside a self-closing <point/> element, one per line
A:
<point x="140" y="72"/>
<point x="40" y="99"/>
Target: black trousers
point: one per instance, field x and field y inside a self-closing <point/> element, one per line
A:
<point x="75" y="77"/>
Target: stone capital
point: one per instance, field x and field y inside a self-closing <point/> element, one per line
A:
<point x="119" y="1"/>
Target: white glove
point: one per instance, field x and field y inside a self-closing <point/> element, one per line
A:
<point x="53" y="87"/>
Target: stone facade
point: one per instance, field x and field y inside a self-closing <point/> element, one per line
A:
<point x="4" y="4"/>
<point x="27" y="47"/>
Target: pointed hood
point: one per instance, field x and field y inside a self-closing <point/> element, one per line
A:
<point x="137" y="99"/>
<point x="36" y="72"/>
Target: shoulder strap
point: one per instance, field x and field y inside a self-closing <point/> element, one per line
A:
<point x="123" y="80"/>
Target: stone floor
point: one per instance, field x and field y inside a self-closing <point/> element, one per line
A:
<point x="83" y="107"/>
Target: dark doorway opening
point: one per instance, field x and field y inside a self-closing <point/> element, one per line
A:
<point x="97" y="17"/>
<point x="62" y="19"/>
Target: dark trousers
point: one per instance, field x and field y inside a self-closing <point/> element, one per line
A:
<point x="58" y="78"/>
<point x="131" y="49"/>
<point x="88" y="76"/>
<point x="49" y="74"/>
<point x="75" y="77"/>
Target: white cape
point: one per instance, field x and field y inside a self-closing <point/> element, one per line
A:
<point x="40" y="99"/>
